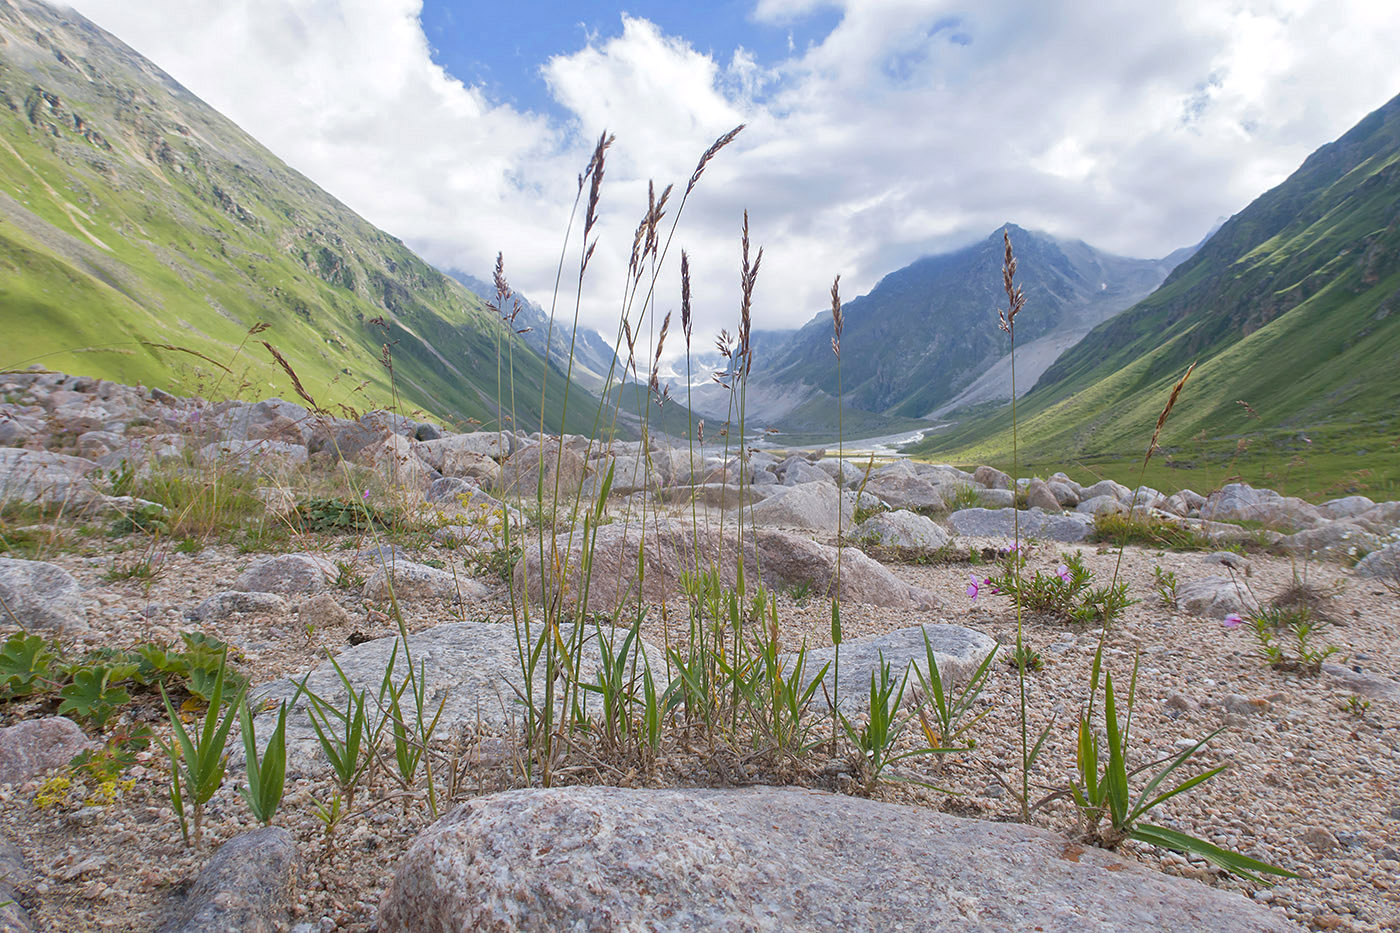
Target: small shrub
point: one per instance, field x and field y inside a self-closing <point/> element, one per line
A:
<point x="1285" y="636"/>
<point x="1147" y="531"/>
<point x="1164" y="582"/>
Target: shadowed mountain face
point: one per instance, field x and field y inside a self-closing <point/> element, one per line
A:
<point x="1290" y="306"/>
<point x="927" y="332"/>
<point x="135" y="220"/>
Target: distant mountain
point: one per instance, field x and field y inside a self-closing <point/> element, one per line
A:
<point x="1291" y="306"/>
<point x="593" y="355"/>
<point x="143" y="236"/>
<point x="925" y="334"/>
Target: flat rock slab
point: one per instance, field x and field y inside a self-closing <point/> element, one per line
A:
<point x="767" y="858"/>
<point x="470" y="664"/>
<point x="957" y="651"/>
<point x="1001" y="523"/>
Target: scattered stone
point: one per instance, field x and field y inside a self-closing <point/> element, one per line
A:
<point x="33" y="746"/>
<point x="1040" y="496"/>
<point x="996" y="498"/>
<point x="760" y="858"/>
<point x="35" y="594"/>
<point x="14" y="874"/>
<point x="901" y="487"/>
<point x="42" y="476"/>
<point x="901" y="529"/>
<point x="1214" y="597"/>
<point x="1236" y="562"/>
<point x="991" y="477"/>
<point x="322" y="612"/>
<point x="1242" y="705"/>
<point x="999" y="523"/>
<point x="286" y="575"/>
<point x="1182" y="703"/>
<point x="521" y="472"/>
<point x="1319" y="840"/>
<point x="247" y="886"/>
<point x="811" y="506"/>
<point x="1370" y="685"/>
<point x="1101" y="505"/>
<point x="788" y="560"/>
<point x="413" y="581"/>
<point x="220" y="606"/>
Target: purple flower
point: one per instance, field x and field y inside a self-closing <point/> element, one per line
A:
<point x="973" y="586"/>
<point x="1233" y="620"/>
<point x="365" y="495"/>
<point x="1063" y="572"/>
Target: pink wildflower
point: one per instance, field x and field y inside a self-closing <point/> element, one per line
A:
<point x="1063" y="572"/>
<point x="1233" y="620"/>
<point x="973" y="586"/>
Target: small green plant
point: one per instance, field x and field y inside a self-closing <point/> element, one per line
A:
<point x="197" y="763"/>
<point x="801" y="591"/>
<point x="1356" y="706"/>
<point x="121" y="480"/>
<point x="341" y="515"/>
<point x="266" y="777"/>
<point x="1111" y="814"/>
<point x="965" y="496"/>
<point x="950" y="707"/>
<point x="1164" y="583"/>
<point x="1285" y="636"/>
<point x="875" y="740"/>
<point x="348" y="739"/>
<point x="1065" y="593"/>
<point x="346" y="578"/>
<point x="149" y="518"/>
<point x="1025" y="659"/>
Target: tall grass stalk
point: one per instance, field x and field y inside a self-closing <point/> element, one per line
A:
<point x="837" y="325"/>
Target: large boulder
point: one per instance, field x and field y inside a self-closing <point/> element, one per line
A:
<point x="468" y="667"/>
<point x="674" y="547"/>
<point x="1241" y="502"/>
<point x="901" y="487"/>
<point x="900" y="529"/>
<point x="1033" y="523"/>
<point x="247" y="886"/>
<point x="1336" y="540"/>
<point x="1039" y="495"/>
<point x="545" y="467"/>
<point x="286" y="575"/>
<point x="395" y="459"/>
<point x="41" y="476"/>
<point x="1383" y="564"/>
<point x="1214" y="597"/>
<point x="450" y="456"/>
<point x="991" y="477"/>
<point x="35" y="594"/>
<point x="770" y="858"/>
<point x="956" y="650"/>
<point x="811" y="506"/>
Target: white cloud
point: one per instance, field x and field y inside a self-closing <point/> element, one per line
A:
<point x="912" y="127"/>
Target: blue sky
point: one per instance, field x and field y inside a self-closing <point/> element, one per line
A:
<point x="497" y="53"/>
<point x="887" y="130"/>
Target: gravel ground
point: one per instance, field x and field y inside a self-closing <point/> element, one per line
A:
<point x="1311" y="785"/>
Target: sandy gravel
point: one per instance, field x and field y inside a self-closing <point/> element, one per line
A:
<point x="1310" y="786"/>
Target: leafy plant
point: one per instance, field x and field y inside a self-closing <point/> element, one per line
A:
<point x="950" y="707"/>
<point x="965" y="496"/>
<point x="1108" y="809"/>
<point x="1025" y="659"/>
<point x="1356" y="706"/>
<point x="91" y="696"/>
<point x="875" y="740"/>
<point x="266" y="777"/>
<point x="1164" y="583"/>
<point x="1285" y="635"/>
<point x="26" y="665"/>
<point x="197" y="764"/>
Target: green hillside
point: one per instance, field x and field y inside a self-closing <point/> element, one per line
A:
<point x="1289" y="307"/>
<point x="132" y="215"/>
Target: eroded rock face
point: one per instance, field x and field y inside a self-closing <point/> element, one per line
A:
<point x="246" y="886"/>
<point x="766" y="858"/>
<point x="901" y="529"/>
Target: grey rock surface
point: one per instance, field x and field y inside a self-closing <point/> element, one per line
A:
<point x="1331" y="541"/>
<point x="900" y="487"/>
<point x="414" y="581"/>
<point x="42" y="476"/>
<point x="246" y="887"/>
<point x="35" y="594"/>
<point x="286" y="575"/>
<point x="1039" y="495"/>
<point x="1034" y="523"/>
<point x="1214" y="597"/>
<point x="14" y="875"/>
<point x="956" y="650"/>
<point x="765" y="858"/>
<point x="902" y="529"/>
<point x="991" y="477"/>
<point x="810" y="506"/>
<point x="222" y="605"/>
<point x="31" y="747"/>
<point x="468" y="665"/>
<point x="1383" y="564"/>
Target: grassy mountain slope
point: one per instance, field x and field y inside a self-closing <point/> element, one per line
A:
<point x="132" y="214"/>
<point x="927" y="331"/>
<point x="1290" y="307"/>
